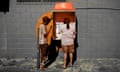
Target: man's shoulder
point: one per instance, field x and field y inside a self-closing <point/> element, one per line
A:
<point x="42" y="25"/>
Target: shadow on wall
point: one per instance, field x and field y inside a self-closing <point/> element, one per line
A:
<point x="76" y="41"/>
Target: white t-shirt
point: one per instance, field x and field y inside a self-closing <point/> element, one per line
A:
<point x="67" y="37"/>
<point x="42" y="31"/>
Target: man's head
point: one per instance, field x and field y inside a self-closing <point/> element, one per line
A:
<point x="46" y="20"/>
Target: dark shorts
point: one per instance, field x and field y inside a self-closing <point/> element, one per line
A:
<point x="43" y="49"/>
<point x="43" y="45"/>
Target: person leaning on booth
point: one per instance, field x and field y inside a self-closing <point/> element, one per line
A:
<point x="43" y="33"/>
<point x="67" y="41"/>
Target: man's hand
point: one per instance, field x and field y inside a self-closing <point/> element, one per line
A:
<point x="45" y="35"/>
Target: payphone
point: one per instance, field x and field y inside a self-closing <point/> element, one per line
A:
<point x="60" y="11"/>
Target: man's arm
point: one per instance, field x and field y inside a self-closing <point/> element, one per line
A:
<point x="48" y="31"/>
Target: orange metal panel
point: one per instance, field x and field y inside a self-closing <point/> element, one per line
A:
<point x="63" y="6"/>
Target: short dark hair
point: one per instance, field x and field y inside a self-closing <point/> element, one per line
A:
<point x="46" y="19"/>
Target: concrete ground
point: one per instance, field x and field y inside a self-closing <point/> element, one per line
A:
<point x="80" y="65"/>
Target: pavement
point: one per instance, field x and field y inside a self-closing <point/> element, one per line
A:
<point x="80" y="65"/>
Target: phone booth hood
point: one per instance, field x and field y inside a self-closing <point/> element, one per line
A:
<point x="63" y="6"/>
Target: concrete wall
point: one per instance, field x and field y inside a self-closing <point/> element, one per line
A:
<point x="3" y="36"/>
<point x="98" y="23"/>
<point x="98" y="28"/>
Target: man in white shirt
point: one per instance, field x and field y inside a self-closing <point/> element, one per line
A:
<point x="43" y="40"/>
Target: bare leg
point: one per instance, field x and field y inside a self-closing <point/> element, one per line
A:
<point x="65" y="58"/>
<point x="43" y="56"/>
<point x="71" y="58"/>
<point x="42" y="61"/>
<point x="71" y="51"/>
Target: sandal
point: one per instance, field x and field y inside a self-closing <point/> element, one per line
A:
<point x="41" y="66"/>
<point x="64" y="67"/>
<point x="71" y="65"/>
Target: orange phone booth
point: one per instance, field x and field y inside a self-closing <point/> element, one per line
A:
<point x="60" y="11"/>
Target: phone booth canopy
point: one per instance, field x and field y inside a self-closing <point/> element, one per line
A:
<point x="61" y="11"/>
